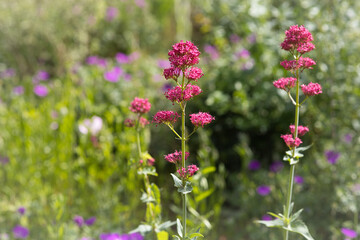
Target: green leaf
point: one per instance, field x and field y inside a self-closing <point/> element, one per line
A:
<point x="146" y="198"/>
<point x="204" y="195"/>
<point x="177" y="181"/>
<point x="299" y="227"/>
<point x="166" y="225"/>
<point x="162" y="235"/>
<point x="142" y="228"/>
<point x="194" y="236"/>
<point x="176" y="237"/>
<point x="272" y="223"/>
<point x="156" y="192"/>
<point x="296" y="215"/>
<point x="187" y="189"/>
<point x="148" y="171"/>
<point x="208" y="170"/>
<point x="179" y="227"/>
<point x="275" y="215"/>
<point x="291" y="160"/>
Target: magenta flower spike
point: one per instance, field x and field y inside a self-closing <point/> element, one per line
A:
<point x="182" y="57"/>
<point x="298" y="41"/>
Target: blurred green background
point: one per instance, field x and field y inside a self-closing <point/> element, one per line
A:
<point x="54" y="56"/>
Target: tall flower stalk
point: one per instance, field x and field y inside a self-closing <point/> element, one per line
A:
<point x="183" y="57"/>
<point x="145" y="162"/>
<point x="298" y="41"/>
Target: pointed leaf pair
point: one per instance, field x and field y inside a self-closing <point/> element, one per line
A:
<point x="179" y="184"/>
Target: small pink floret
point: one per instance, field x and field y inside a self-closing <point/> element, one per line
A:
<point x="193" y="73"/>
<point x="140" y="105"/>
<point x="285" y="83"/>
<point x="166" y="117"/>
<point x="201" y="119"/>
<point x="172" y="73"/>
<point x="311" y="89"/>
<point x="301" y="130"/>
<point x="189" y="172"/>
<point x="177" y="95"/>
<point x="176" y="157"/>
<point x="302" y="63"/>
<point x="184" y="54"/>
<point x="298" y="38"/>
<point x="290" y="141"/>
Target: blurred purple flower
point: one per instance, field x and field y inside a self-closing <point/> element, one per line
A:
<point x="42" y="75"/>
<point x="79" y="220"/>
<point x="4" y="160"/>
<point x="122" y="58"/>
<point x="212" y="51"/>
<point x="162" y="63"/>
<point x="97" y="61"/>
<point x="299" y="180"/>
<point x="266" y="218"/>
<point x="85" y="238"/>
<point x="332" y="156"/>
<point x="140" y="3"/>
<point x="166" y="87"/>
<point x="116" y="236"/>
<point x="114" y="74"/>
<point x="20" y="232"/>
<point x="8" y="73"/>
<point x="41" y="90"/>
<point x="263" y="190"/>
<point x="349" y="232"/>
<point x="252" y="38"/>
<point x="111" y="13"/>
<point x="90" y="221"/>
<point x="21" y="210"/>
<point x="244" y="53"/>
<point x="348" y="138"/>
<point x="18" y="90"/>
<point x="276" y="166"/>
<point x="234" y="38"/>
<point x="92" y="60"/>
<point x="356" y="188"/>
<point x="254" y="165"/>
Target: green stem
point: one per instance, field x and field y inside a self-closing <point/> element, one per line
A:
<point x="146" y="178"/>
<point x="292" y="167"/>
<point x="183" y="165"/>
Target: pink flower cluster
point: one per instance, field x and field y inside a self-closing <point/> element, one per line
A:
<point x="176" y="94"/>
<point x="290" y="141"/>
<point x="166" y="117"/>
<point x="285" y="83"/>
<point x="189" y="172"/>
<point x="201" y="119"/>
<point x="302" y="63"/>
<point x="311" y="89"/>
<point x="298" y="38"/>
<point x="140" y="105"/>
<point x="194" y="73"/>
<point x="176" y="157"/>
<point x="172" y="73"/>
<point x="184" y="54"/>
<point x="301" y="130"/>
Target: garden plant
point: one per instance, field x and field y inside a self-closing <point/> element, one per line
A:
<point x="298" y="41"/>
<point x="183" y="57"/>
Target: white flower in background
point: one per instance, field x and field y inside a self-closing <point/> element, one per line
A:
<point x="92" y="126"/>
